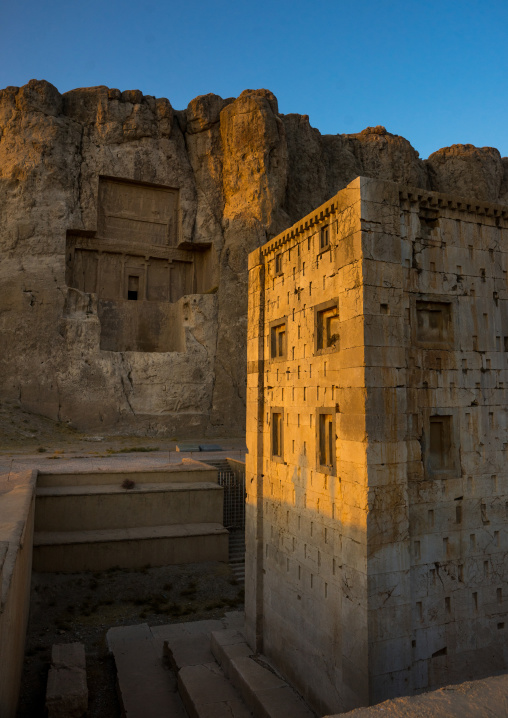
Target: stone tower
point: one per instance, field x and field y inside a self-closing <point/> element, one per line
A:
<point x="377" y="434"/>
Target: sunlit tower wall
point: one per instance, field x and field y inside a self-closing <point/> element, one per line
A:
<point x="376" y="430"/>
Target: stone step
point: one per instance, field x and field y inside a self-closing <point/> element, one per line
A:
<point x="237" y="546"/>
<point x="147" y="689"/>
<point x="110" y="506"/>
<point x="184" y="632"/>
<point x="236" y="552"/>
<point x="236" y="557"/>
<point x="236" y="563"/>
<point x="71" y="551"/>
<point x="262" y="689"/>
<point x="188" y="644"/>
<point x="188" y="470"/>
<point x="218" y="677"/>
<point x="239" y="574"/>
<point x="237" y="560"/>
<point x="237" y="567"/>
<point x="237" y="539"/>
<point x="205" y="691"/>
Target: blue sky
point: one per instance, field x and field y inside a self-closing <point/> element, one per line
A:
<point x="434" y="72"/>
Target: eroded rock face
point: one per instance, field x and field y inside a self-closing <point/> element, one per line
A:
<point x="243" y="172"/>
<point x="467" y="171"/>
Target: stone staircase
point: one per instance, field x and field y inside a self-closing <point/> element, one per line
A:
<point x="97" y="520"/>
<point x="201" y="669"/>
<point x="236" y="532"/>
<point x="237" y="554"/>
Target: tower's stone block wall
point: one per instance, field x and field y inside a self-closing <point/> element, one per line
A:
<point x="377" y="435"/>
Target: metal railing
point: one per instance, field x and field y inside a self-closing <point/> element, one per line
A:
<point x="233" y="483"/>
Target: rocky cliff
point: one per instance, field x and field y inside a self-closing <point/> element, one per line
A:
<point x="243" y="173"/>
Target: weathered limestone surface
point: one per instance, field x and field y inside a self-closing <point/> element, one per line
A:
<point x="244" y="172"/>
<point x="377" y="436"/>
<point x="487" y="697"/>
<point x="469" y="171"/>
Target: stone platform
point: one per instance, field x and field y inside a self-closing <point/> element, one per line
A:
<point x="132" y="548"/>
<point x="94" y="520"/>
<point x="210" y="673"/>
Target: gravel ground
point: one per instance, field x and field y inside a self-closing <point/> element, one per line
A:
<point x="83" y="606"/>
<point x="24" y="432"/>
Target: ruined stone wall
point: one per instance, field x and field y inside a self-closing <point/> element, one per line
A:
<point x="377" y="435"/>
<point x="242" y="173"/>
